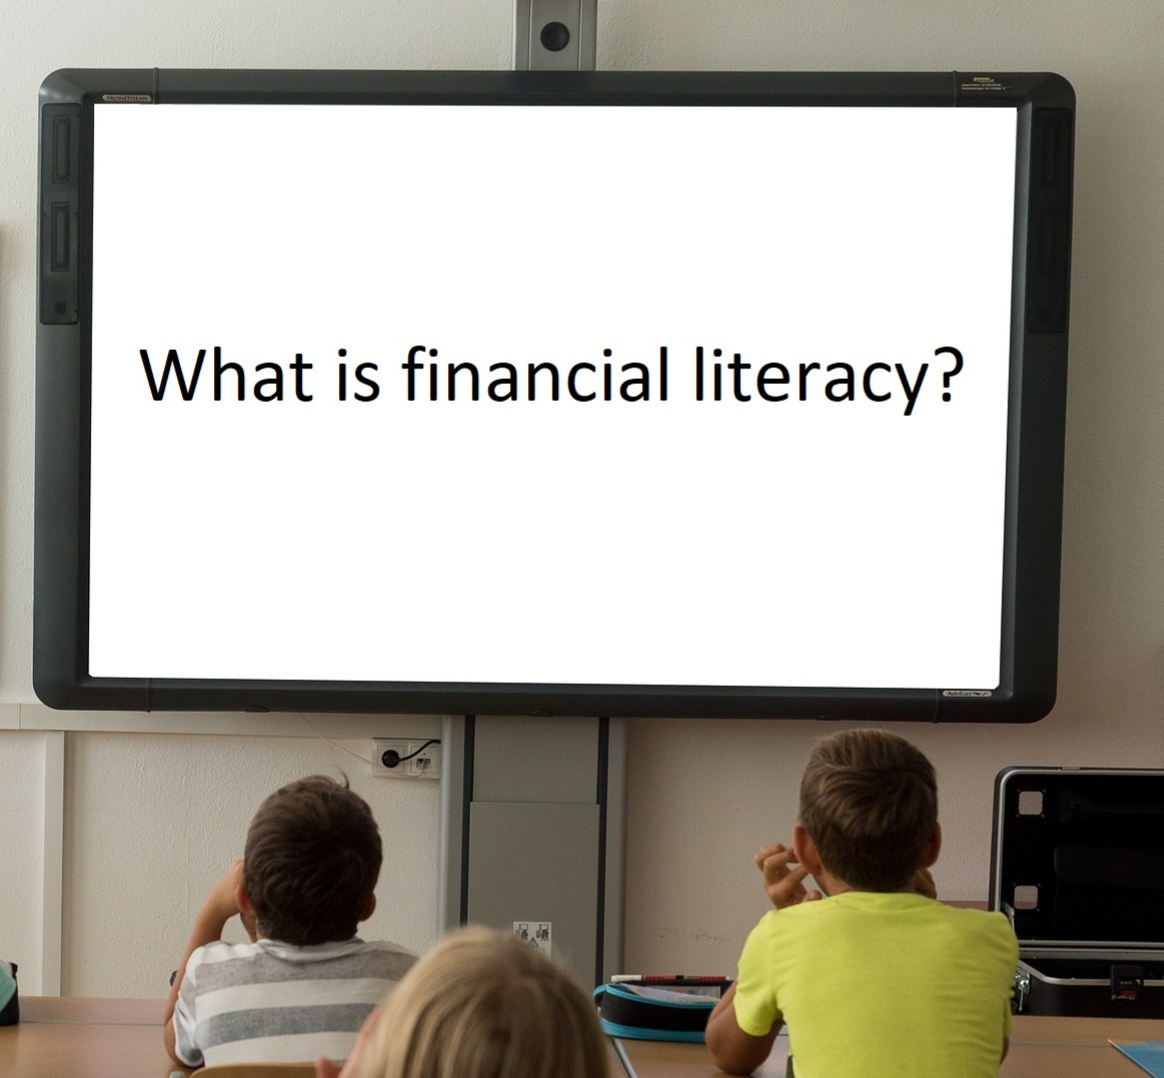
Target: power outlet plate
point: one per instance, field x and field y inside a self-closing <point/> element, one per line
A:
<point x="539" y="934"/>
<point x="417" y="760"/>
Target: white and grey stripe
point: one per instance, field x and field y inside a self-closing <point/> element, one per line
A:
<point x="271" y="1002"/>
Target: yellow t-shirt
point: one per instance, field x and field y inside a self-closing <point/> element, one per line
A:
<point x="875" y="985"/>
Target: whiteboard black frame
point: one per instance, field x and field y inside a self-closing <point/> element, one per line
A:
<point x="1033" y="515"/>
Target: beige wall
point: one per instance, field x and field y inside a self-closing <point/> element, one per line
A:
<point x="151" y="819"/>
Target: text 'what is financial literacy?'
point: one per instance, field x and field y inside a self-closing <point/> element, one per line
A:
<point x="709" y="375"/>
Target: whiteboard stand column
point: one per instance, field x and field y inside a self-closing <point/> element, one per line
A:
<point x="533" y="814"/>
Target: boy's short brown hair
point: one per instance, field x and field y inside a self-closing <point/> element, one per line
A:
<point x="311" y="861"/>
<point x="869" y="800"/>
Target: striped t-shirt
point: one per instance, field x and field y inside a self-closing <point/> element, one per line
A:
<point x="271" y="1002"/>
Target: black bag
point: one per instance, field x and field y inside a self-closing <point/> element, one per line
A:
<point x="1077" y="864"/>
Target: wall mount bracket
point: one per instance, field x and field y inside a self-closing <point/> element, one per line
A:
<point x="554" y="35"/>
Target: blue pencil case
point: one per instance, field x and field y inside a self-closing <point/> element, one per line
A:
<point x="650" y="1012"/>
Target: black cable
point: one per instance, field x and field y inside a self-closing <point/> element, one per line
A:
<point x="430" y="741"/>
<point x="393" y="759"/>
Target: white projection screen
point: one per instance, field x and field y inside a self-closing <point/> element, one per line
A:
<point x="591" y="394"/>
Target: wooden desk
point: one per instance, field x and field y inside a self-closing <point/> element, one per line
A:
<point x="1040" y="1047"/>
<point x="86" y="1038"/>
<point x="122" y="1038"/>
<point x="659" y="1059"/>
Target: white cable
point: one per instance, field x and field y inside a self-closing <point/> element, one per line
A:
<point x="370" y="763"/>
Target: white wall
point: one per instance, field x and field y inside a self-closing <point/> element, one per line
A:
<point x="152" y="819"/>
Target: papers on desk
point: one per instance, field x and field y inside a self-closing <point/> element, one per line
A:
<point x="686" y="996"/>
<point x="1148" y="1054"/>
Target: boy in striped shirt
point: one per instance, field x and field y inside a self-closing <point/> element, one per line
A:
<point x="305" y="983"/>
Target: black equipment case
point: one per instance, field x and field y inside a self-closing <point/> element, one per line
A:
<point x="1077" y="864"/>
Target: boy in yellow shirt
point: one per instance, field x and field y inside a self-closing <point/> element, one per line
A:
<point x="873" y="977"/>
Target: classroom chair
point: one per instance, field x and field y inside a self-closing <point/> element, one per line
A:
<point x="259" y="1070"/>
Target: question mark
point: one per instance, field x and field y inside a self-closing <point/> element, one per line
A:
<point x="949" y="374"/>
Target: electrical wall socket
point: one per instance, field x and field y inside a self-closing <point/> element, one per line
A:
<point x="539" y="934"/>
<point x="415" y="761"/>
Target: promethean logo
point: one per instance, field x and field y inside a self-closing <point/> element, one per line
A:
<point x="133" y="99"/>
<point x="968" y="692"/>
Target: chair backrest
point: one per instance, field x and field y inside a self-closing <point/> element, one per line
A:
<point x="258" y="1070"/>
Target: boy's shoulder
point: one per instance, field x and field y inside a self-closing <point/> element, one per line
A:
<point x="917" y="912"/>
<point x="322" y="952"/>
<point x="372" y="958"/>
<point x="222" y="951"/>
<point x="886" y="926"/>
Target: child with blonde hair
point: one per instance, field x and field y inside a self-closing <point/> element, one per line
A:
<point x="480" y="1005"/>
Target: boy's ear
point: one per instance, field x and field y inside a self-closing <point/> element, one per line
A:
<point x="369" y="907"/>
<point x="805" y="850"/>
<point x="246" y="911"/>
<point x="243" y="900"/>
<point x="933" y="848"/>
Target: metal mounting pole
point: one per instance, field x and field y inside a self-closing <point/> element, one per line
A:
<point x="532" y="822"/>
<point x="554" y="35"/>
<point x="533" y="807"/>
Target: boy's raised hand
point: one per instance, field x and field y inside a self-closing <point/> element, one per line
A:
<point x="221" y="902"/>
<point x="785" y="885"/>
<point x="923" y="883"/>
<point x="219" y="906"/>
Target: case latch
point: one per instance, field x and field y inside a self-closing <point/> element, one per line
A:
<point x="1022" y="988"/>
<point x="1126" y="982"/>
